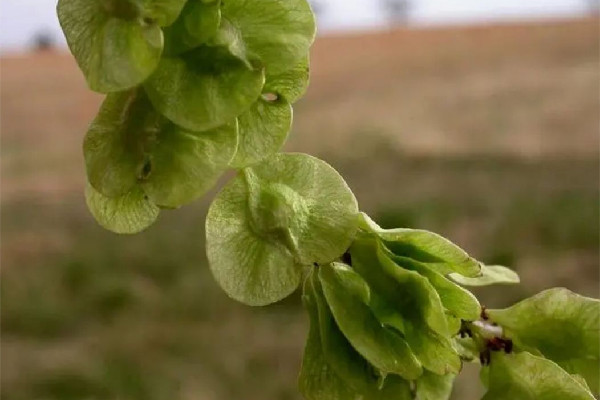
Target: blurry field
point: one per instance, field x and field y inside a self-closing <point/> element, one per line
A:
<point x="487" y="135"/>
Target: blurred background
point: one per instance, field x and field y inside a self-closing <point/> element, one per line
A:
<point x="478" y="120"/>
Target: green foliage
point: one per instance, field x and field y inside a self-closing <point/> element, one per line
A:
<point x="197" y="24"/>
<point x="317" y="378"/>
<point x="424" y="246"/>
<point x="263" y="130"/>
<point x="204" y="88"/>
<point x="117" y="44"/>
<point x="457" y="301"/>
<point x="129" y="145"/>
<point x="290" y="84"/>
<point x="561" y="325"/>
<point x="278" y="33"/>
<point x="331" y="367"/>
<point x="413" y="301"/>
<point x="114" y="147"/>
<point x="528" y="377"/>
<point x="129" y="213"/>
<point x="200" y="86"/>
<point x="218" y="96"/>
<point x="385" y="349"/>
<point x="434" y="387"/>
<point x="489" y="275"/>
<point x="183" y="165"/>
<point x="274" y="218"/>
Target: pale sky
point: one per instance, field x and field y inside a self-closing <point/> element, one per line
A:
<point x="20" y="20"/>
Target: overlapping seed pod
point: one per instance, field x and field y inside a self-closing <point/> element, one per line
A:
<point x="383" y="322"/>
<point x="194" y="87"/>
<point x="273" y="221"/>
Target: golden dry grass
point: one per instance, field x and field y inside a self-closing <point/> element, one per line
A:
<point x="525" y="90"/>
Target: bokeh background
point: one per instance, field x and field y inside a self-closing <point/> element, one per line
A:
<point x="478" y="121"/>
